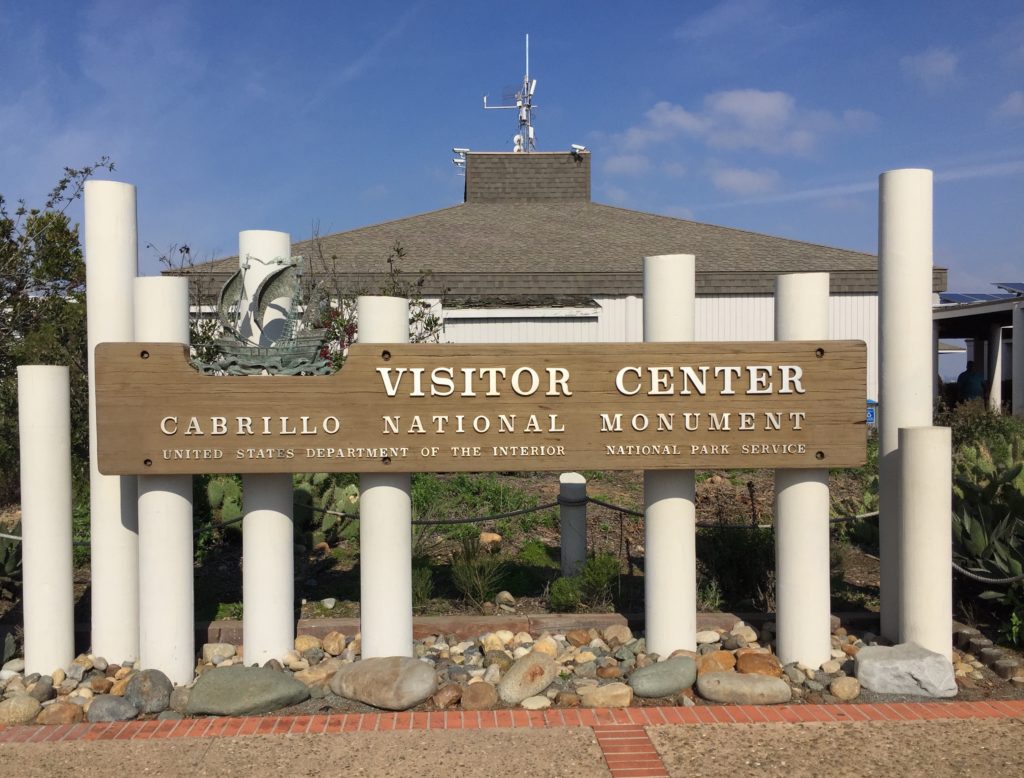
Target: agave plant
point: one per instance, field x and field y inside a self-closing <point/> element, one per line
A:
<point x="10" y="564"/>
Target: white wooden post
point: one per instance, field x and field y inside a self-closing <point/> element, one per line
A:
<point x="1017" y="359"/>
<point x="905" y="361"/>
<point x="44" y="431"/>
<point x="995" y="368"/>
<point x="572" y="521"/>
<point x="802" y="501"/>
<point x="268" y="535"/>
<point x="111" y="256"/>
<point x="166" y="589"/>
<point x="670" y="563"/>
<point x="385" y="516"/>
<point x="926" y="564"/>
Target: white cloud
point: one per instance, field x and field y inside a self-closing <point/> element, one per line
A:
<point x="933" y="68"/>
<point x="1012" y="106"/>
<point x="743" y="181"/>
<point x="627" y="164"/>
<point x="744" y="119"/>
<point x="723" y="18"/>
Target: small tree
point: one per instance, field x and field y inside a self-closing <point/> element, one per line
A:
<point x="42" y="312"/>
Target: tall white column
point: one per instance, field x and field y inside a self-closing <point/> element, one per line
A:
<point x="572" y="521"/>
<point x="385" y="516"/>
<point x="1017" y="359"/>
<point x="268" y="557"/>
<point x="670" y="563"/>
<point x="904" y="361"/>
<point x="802" y="584"/>
<point x="995" y="368"/>
<point x="111" y="256"/>
<point x="926" y="556"/>
<point x="44" y="431"/>
<point x="166" y="592"/>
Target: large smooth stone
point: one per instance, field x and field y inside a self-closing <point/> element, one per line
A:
<point x="61" y="713"/>
<point x="479" y="696"/>
<point x="19" y="709"/>
<point x="743" y="689"/>
<point x="528" y="676"/>
<point x="240" y="691"/>
<point x="149" y="691"/>
<point x="664" y="678"/>
<point x="391" y="683"/>
<point x="108" y="708"/>
<point x="906" y="668"/>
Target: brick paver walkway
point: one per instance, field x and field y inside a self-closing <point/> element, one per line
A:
<point x="620" y="732"/>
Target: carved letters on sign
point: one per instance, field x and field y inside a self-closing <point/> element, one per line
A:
<point x="446" y="408"/>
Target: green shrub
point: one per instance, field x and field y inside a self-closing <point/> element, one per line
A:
<point x="535" y="553"/>
<point x="476" y="572"/>
<point x="422" y="583"/>
<point x="10" y="565"/>
<point x="599" y="579"/>
<point x="564" y="595"/>
<point x="741" y="560"/>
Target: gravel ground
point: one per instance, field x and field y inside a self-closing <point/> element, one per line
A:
<point x="537" y="753"/>
<point x="933" y="748"/>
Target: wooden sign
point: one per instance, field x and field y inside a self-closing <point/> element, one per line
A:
<point x="447" y="408"/>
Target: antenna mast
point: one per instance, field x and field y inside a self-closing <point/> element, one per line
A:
<point x="524" y="139"/>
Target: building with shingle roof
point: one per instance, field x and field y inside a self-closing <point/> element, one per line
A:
<point x="529" y="257"/>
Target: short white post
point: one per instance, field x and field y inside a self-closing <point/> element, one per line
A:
<point x="268" y="567"/>
<point x="1017" y="359"/>
<point x="995" y="368"/>
<point x="111" y="256"/>
<point x="166" y="592"/>
<point x="385" y="516"/>
<point x="802" y="584"/>
<point x="926" y="489"/>
<point x="44" y="432"/>
<point x="572" y="521"/>
<point x="670" y="564"/>
<point x="268" y="534"/>
<point x="904" y="354"/>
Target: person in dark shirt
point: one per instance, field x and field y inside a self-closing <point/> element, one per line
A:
<point x="970" y="384"/>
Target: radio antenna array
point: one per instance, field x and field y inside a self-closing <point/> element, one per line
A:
<point x="524" y="139"/>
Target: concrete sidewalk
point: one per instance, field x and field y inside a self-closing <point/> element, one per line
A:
<point x="949" y="738"/>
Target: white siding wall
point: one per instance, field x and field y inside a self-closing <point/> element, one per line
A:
<point x="620" y="320"/>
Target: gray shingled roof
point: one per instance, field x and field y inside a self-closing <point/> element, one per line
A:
<point x="568" y="246"/>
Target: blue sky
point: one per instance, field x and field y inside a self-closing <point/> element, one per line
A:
<point x="770" y="116"/>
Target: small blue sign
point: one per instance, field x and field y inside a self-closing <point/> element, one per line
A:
<point x="872" y="409"/>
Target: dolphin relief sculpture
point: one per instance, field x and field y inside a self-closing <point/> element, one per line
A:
<point x="270" y="332"/>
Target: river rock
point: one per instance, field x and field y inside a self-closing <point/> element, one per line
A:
<point x="215" y="653"/>
<point x="708" y="636"/>
<point x="319" y="674"/>
<point x="528" y="676"/>
<point x="617" y="635"/>
<point x="42" y="689"/>
<point x="845" y="688"/>
<point x="664" y="678"/>
<point x="241" y="691"/>
<point x="447" y="695"/>
<point x="149" y="691"/>
<point x="306" y="642"/>
<point x="334" y="643"/>
<point x="19" y="709"/>
<point x="179" y="699"/>
<point x="743" y="689"/>
<point x="109" y="708"/>
<point x="391" y="683"/>
<point x="578" y="637"/>
<point x="479" y="696"/>
<point x="537" y="702"/>
<point x="716" y="662"/>
<point x="612" y="695"/>
<point x="61" y="713"/>
<point x="546" y="645"/>
<point x="759" y="664"/>
<point x="906" y="668"/>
